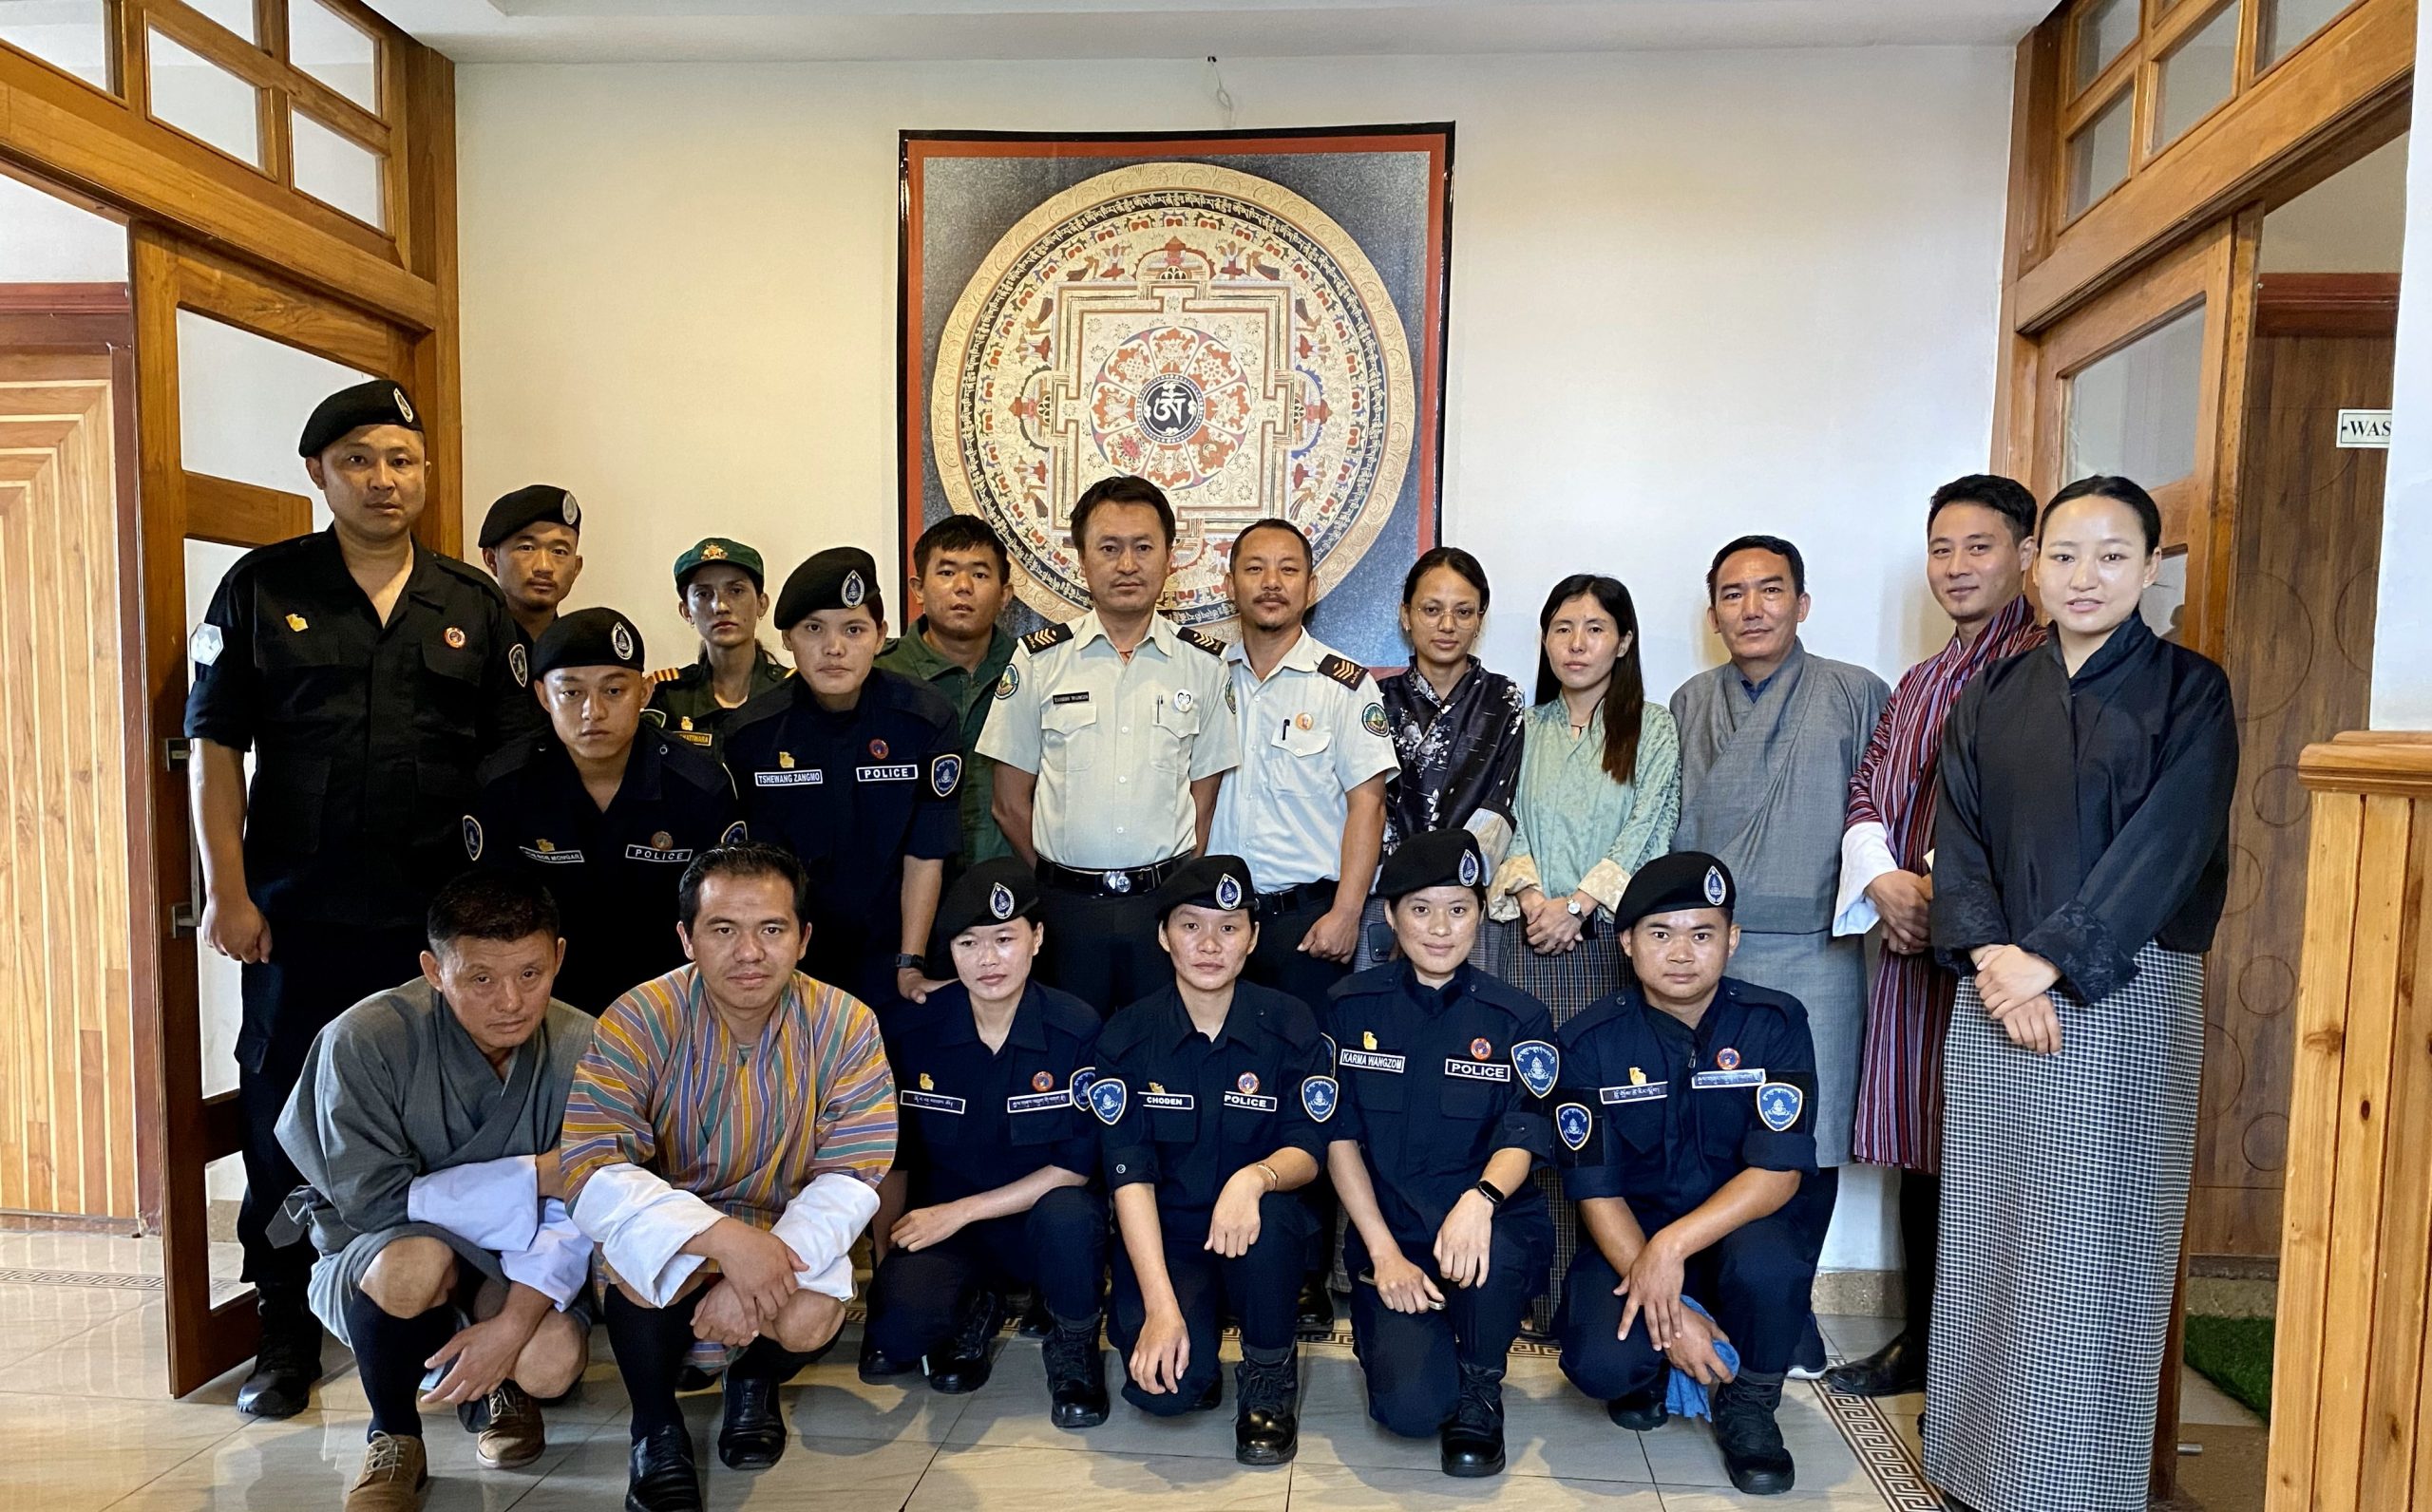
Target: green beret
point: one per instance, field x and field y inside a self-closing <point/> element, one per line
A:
<point x="1675" y="883"/>
<point x="588" y="637"/>
<point x="537" y="504"/>
<point x="717" y="549"/>
<point x="991" y="892"/>
<point x="1208" y="881"/>
<point x="1440" y="858"/>
<point x="377" y="402"/>
<point x="839" y="577"/>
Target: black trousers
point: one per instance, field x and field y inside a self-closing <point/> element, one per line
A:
<point x="1280" y="963"/>
<point x="1101" y="948"/>
<point x="1413" y="1360"/>
<point x="315" y="973"/>
<point x="1920" y="1236"/>
<point x="1058" y="1246"/>
<point x="1259" y="1289"/>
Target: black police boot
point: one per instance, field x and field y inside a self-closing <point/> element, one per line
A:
<point x="1313" y="1315"/>
<point x="1895" y="1370"/>
<point x="1751" y="1441"/>
<point x="753" y="1437"/>
<point x="1037" y="1323"/>
<point x="963" y="1365"/>
<point x="286" y="1364"/>
<point x="661" y="1476"/>
<point x="1266" y="1417"/>
<point x="877" y="1368"/>
<point x="1471" y="1443"/>
<point x="1075" y="1373"/>
<point x="1642" y="1411"/>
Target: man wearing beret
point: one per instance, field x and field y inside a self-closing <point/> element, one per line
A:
<point x="994" y="1162"/>
<point x="604" y="811"/>
<point x="1208" y="1089"/>
<point x="1686" y="1121"/>
<point x="855" y="770"/>
<point x="369" y="676"/>
<point x="1438" y="1130"/>
<point x="721" y="592"/>
<point x="531" y="541"/>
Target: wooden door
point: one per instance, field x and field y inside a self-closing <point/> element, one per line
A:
<point x="185" y="292"/>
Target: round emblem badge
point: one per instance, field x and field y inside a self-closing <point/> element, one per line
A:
<point x="1118" y="881"/>
<point x="1246" y="1081"/>
<point x="622" y="641"/>
<point x="1042" y="1081"/>
<point x="1468" y="868"/>
<point x="1480" y="1048"/>
<point x="454" y="637"/>
<point x="853" y="591"/>
<point x="1303" y="720"/>
<point x="1717" y="890"/>
<point x="1001" y="902"/>
<point x="1009" y="683"/>
<point x="1183" y="701"/>
<point x="1727" y="1058"/>
<point x="662" y="840"/>
<point x="1229" y="891"/>
<point x="1372" y="719"/>
<point x="878" y="751"/>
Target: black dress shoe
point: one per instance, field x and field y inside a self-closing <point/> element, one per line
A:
<point x="963" y="1365"/>
<point x="1313" y="1316"/>
<point x="661" y="1476"/>
<point x="1075" y="1374"/>
<point x="286" y="1364"/>
<point x="1751" y="1441"/>
<point x="1213" y="1397"/>
<point x="1643" y="1411"/>
<point x="1895" y="1370"/>
<point x="753" y="1435"/>
<point x="877" y="1368"/>
<point x="1267" y="1419"/>
<point x="1471" y="1443"/>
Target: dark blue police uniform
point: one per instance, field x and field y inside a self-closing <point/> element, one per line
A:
<point x="972" y="1120"/>
<point x="613" y="871"/>
<point x="1661" y="1115"/>
<point x="1433" y="1082"/>
<point x="852" y="794"/>
<point x="1184" y="1113"/>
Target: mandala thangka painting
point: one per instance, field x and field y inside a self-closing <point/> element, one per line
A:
<point x="1252" y="321"/>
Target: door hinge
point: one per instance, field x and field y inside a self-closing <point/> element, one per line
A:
<point x="183" y="922"/>
<point x="176" y="751"/>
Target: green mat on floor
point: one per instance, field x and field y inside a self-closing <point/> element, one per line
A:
<point x="2234" y="1353"/>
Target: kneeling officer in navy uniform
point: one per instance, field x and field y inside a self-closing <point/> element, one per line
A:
<point x="992" y="1167"/>
<point x="1685" y="1120"/>
<point x="1442" y="1124"/>
<point x="606" y="812"/>
<point x="1207" y="1090"/>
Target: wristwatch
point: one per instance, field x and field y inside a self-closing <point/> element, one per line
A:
<point x="909" y="962"/>
<point x="1571" y="906"/>
<point x="1494" y="1195"/>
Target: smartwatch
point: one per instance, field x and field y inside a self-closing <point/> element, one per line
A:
<point x="1494" y="1195"/>
<point x="908" y="962"/>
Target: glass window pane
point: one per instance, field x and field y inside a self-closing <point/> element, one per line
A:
<point x="333" y="50"/>
<point x="2133" y="413"/>
<point x="2099" y="154"/>
<point x="241" y="401"/>
<point x="236" y="15"/>
<point x="2103" y="29"/>
<point x="2197" y="75"/>
<point x="338" y="171"/>
<point x="73" y="35"/>
<point x="203" y="100"/>
<point x="2288" y="24"/>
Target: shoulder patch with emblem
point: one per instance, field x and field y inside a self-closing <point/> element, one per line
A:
<point x="1108" y="1097"/>
<point x="519" y="661"/>
<point x="205" y="645"/>
<point x="1011" y="683"/>
<point x="1572" y="1120"/>
<point x="945" y="772"/>
<point x="1200" y="639"/>
<point x="472" y="838"/>
<point x="735" y="834"/>
<point x="1047" y="639"/>
<point x="1342" y="669"/>
<point x="1779" y="1104"/>
<point x="1320" y="1097"/>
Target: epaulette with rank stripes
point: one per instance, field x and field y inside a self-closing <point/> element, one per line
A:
<point x="1342" y="669"/>
<point x="666" y="674"/>
<point x="1052" y="636"/>
<point x="1200" y="640"/>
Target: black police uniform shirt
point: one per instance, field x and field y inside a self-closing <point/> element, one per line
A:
<point x="852" y="794"/>
<point x="1661" y="1115"/>
<point x="1433" y="1082"/>
<point x="973" y="1118"/>
<point x="367" y="737"/>
<point x="613" y="871"/>
<point x="1184" y="1112"/>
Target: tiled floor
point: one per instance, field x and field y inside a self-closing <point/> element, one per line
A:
<point x="83" y="1426"/>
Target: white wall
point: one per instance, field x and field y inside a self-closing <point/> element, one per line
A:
<point x="1693" y="294"/>
<point x="2401" y="673"/>
<point x="45" y="240"/>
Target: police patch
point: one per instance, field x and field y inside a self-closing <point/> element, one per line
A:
<point x="574" y="514"/>
<point x="1107" y="1098"/>
<point x="1232" y="704"/>
<point x="1001" y="902"/>
<point x="1080" y="1085"/>
<point x="1778" y="1104"/>
<point x="1727" y="1058"/>
<point x="1573" y="1121"/>
<point x="1246" y="1081"/>
<point x="1470" y="871"/>
<point x="1372" y="719"/>
<point x="853" y="592"/>
<point x="735" y="834"/>
<point x="1007" y="685"/>
<point x="1042" y="1081"/>
<point x="1717" y="890"/>
<point x="945" y="774"/>
<point x="1320" y="1097"/>
<point x="454" y="637"/>
<point x="1229" y="891"/>
<point x="1539" y="1065"/>
<point x="878" y="751"/>
<point x="520" y="663"/>
<point x="205" y="644"/>
<point x="1481" y="1047"/>
<point x="619" y="639"/>
<point x="405" y="405"/>
<point x="472" y="838"/>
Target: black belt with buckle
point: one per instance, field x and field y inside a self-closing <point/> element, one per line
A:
<point x="1119" y="881"/>
<point x="1284" y="899"/>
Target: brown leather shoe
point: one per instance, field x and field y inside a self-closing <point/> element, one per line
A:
<point x="394" y="1476"/>
<point x="511" y="1434"/>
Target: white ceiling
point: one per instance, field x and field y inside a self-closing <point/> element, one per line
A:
<point x="702" y="31"/>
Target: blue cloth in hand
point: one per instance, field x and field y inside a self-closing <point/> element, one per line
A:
<point x="1684" y="1397"/>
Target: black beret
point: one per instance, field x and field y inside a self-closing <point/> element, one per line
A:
<point x="377" y="402"/>
<point x="1208" y="881"/>
<point x="839" y="577"/>
<point x="588" y="637"/>
<point x="1440" y="858"/>
<point x="989" y="893"/>
<point x="536" y="504"/>
<point x="1670" y="885"/>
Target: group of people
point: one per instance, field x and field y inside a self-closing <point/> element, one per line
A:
<point x="1138" y="984"/>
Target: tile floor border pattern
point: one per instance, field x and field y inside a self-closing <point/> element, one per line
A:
<point x="1882" y="1453"/>
<point x="11" y="1275"/>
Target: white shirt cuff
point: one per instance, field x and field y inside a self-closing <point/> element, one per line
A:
<point x="821" y="1224"/>
<point x="557" y="1262"/>
<point x="1866" y="854"/>
<point x="1493" y="832"/>
<point x="495" y="1204"/>
<point x="641" y="1225"/>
